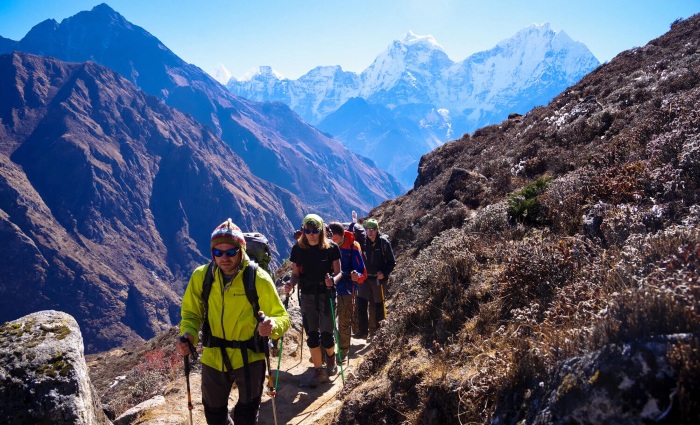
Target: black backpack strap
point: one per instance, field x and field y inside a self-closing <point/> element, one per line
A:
<point x="382" y="242"/>
<point x="251" y="293"/>
<point x="206" y="290"/>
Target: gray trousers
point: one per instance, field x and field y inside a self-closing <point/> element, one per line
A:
<point x="216" y="387"/>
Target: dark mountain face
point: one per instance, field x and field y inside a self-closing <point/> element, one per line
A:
<point x="108" y="197"/>
<point x="278" y="146"/>
<point x="530" y="247"/>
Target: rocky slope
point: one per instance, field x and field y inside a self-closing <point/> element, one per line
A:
<point x="548" y="265"/>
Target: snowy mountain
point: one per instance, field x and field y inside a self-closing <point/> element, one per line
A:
<point x="221" y="74"/>
<point x="418" y="98"/>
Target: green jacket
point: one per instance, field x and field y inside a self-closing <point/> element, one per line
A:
<point x="230" y="314"/>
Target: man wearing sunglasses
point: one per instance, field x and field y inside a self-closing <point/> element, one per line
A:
<point x="231" y="354"/>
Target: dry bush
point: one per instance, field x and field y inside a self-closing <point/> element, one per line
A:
<point x="533" y="274"/>
<point x="146" y="380"/>
<point x="656" y="287"/>
<point x="685" y="359"/>
<point x="491" y="219"/>
<point x="564" y="200"/>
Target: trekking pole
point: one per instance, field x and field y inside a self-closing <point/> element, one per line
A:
<point x="193" y="353"/>
<point x="352" y="316"/>
<point x="335" y="329"/>
<point x="279" y="355"/>
<point x="270" y="388"/>
<point x="301" y="341"/>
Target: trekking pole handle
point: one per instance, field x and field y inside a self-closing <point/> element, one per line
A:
<point x="193" y="350"/>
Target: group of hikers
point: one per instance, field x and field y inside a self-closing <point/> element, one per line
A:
<point x="236" y="304"/>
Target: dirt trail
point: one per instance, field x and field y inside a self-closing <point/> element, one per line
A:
<point x="297" y="404"/>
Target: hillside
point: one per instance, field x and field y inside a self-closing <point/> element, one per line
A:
<point x="537" y="256"/>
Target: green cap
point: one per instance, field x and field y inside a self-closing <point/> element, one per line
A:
<point x="313" y="219"/>
<point x="371" y="224"/>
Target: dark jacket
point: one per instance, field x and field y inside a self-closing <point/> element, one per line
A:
<point x="379" y="256"/>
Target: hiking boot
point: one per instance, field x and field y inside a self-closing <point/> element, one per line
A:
<point x="320" y="376"/>
<point x="360" y="335"/>
<point x="331" y="367"/>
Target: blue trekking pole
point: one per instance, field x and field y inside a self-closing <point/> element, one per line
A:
<point x="335" y="329"/>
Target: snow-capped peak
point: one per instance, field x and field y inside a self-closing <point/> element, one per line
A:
<point x="532" y="34"/>
<point x="263" y="71"/>
<point x="221" y="74"/>
<point x="410" y="38"/>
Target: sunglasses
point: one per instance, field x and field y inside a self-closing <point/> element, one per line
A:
<point x="229" y="252"/>
<point x="314" y="231"/>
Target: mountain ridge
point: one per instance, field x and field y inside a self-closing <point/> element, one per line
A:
<point x="268" y="143"/>
<point x="441" y="99"/>
<point x="111" y="195"/>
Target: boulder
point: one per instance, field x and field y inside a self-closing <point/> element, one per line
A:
<point x="131" y="415"/>
<point x="630" y="383"/>
<point x="43" y="375"/>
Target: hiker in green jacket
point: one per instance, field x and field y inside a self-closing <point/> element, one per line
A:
<point x="316" y="269"/>
<point x="232" y="352"/>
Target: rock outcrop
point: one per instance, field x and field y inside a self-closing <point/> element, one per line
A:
<point x="43" y="375"/>
<point x="620" y="383"/>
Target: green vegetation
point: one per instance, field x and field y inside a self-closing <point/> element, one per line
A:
<point x="525" y="207"/>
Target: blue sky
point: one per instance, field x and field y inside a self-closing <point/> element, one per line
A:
<point x="295" y="36"/>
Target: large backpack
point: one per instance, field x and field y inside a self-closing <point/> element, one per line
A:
<point x="358" y="231"/>
<point x="258" y="249"/>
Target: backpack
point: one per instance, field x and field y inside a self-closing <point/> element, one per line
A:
<point x="258" y="249"/>
<point x="359" y="231"/>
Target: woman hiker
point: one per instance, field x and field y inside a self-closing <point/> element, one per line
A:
<point x="315" y="268"/>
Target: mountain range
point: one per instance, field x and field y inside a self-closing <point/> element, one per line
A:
<point x="119" y="159"/>
<point x="413" y="97"/>
<point x="277" y="145"/>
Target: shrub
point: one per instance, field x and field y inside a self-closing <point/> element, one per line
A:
<point x="533" y="274"/>
<point x="524" y="206"/>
